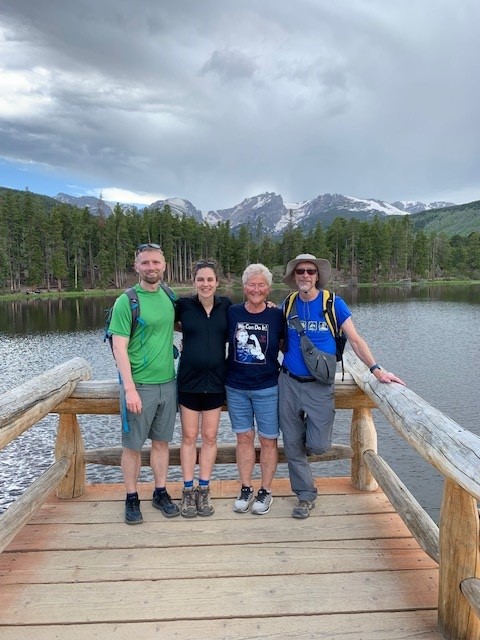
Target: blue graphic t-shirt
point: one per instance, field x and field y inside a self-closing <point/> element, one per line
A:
<point x="253" y="345"/>
<point x="316" y="327"/>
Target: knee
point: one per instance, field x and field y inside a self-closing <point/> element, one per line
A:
<point x="316" y="451"/>
<point x="189" y="440"/>
<point x="268" y="443"/>
<point x="209" y="439"/>
<point x="245" y="438"/>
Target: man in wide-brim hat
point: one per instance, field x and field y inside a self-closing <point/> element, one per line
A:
<point x="306" y="406"/>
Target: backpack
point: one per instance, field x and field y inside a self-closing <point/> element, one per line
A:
<point x="331" y="319"/>
<point x="135" y="309"/>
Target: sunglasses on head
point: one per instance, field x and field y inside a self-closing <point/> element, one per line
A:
<point x="299" y="271"/>
<point x="204" y="263"/>
<point x="147" y="245"/>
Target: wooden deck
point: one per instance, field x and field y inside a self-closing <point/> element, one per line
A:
<point x="351" y="570"/>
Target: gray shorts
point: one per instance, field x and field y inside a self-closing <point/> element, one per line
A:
<point x="157" y="420"/>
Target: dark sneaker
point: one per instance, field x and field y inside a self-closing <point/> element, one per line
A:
<point x="204" y="502"/>
<point x="244" y="500"/>
<point x="188" y="504"/>
<point x="164" y="502"/>
<point x="133" y="515"/>
<point x="303" y="508"/>
<point x="263" y="502"/>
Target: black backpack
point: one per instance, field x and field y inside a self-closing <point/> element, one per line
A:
<point x="135" y="308"/>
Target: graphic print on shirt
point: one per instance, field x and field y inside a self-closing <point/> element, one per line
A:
<point x="311" y="325"/>
<point x="251" y="342"/>
<point x="314" y="325"/>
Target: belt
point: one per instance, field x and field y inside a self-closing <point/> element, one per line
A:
<point x="298" y="378"/>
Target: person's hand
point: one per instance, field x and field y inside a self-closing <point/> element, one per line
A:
<point x="385" y="376"/>
<point x="133" y="401"/>
<point x="270" y="304"/>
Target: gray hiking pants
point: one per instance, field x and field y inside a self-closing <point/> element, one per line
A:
<point x="307" y="412"/>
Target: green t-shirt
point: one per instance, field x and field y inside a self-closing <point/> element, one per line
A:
<point x="150" y="349"/>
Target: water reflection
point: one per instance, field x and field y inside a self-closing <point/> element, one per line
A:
<point x="42" y="315"/>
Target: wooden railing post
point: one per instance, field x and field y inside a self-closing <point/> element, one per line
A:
<point x="69" y="444"/>
<point x="363" y="436"/>
<point x="459" y="559"/>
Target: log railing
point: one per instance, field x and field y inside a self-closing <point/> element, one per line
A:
<point x="454" y="451"/>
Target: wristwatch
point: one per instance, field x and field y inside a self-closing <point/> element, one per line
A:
<point x="374" y="366"/>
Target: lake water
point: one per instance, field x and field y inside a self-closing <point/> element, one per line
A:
<point x="425" y="335"/>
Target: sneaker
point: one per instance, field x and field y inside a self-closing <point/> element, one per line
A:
<point x="302" y="509"/>
<point x="133" y="515"/>
<point x="188" y="505"/>
<point x="164" y="502"/>
<point x="263" y="502"/>
<point x="204" y="502"/>
<point x="244" y="500"/>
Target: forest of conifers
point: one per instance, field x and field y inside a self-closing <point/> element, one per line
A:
<point x="62" y="247"/>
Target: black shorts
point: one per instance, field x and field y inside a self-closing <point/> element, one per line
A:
<point x="201" y="401"/>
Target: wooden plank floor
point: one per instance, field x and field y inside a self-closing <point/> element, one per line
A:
<point x="351" y="570"/>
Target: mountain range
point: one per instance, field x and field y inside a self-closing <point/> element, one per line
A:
<point x="269" y="210"/>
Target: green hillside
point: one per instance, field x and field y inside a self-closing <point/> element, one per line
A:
<point x="460" y="220"/>
<point x="46" y="201"/>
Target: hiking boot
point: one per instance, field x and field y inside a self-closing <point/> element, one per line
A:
<point x="133" y="515"/>
<point x="302" y="509"/>
<point x="188" y="505"/>
<point x="244" y="500"/>
<point x="263" y="502"/>
<point x="164" y="502"/>
<point x="204" y="502"/>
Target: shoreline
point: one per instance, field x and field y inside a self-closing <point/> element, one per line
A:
<point x="184" y="288"/>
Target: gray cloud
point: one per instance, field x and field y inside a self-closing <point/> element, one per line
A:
<point x="216" y="101"/>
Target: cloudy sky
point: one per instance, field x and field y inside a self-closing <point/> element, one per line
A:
<point x="218" y="100"/>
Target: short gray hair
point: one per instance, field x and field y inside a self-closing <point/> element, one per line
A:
<point x="257" y="270"/>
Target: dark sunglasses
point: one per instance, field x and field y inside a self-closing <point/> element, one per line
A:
<point x="300" y="272"/>
<point x="147" y="245"/>
<point x="204" y="263"/>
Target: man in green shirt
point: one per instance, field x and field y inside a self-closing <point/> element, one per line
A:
<point x="148" y="390"/>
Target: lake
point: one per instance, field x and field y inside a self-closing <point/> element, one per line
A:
<point x="426" y="335"/>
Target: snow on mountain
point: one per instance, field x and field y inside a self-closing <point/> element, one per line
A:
<point x="413" y="206"/>
<point x="179" y="207"/>
<point x="268" y="213"/>
<point x="95" y="205"/>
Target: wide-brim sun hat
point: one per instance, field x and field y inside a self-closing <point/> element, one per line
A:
<point x="323" y="266"/>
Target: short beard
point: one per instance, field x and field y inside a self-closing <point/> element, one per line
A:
<point x="152" y="279"/>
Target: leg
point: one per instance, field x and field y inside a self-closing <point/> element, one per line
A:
<point x="319" y="406"/>
<point x="208" y="455"/>
<point x="265" y="407"/>
<point x="245" y="456"/>
<point x="208" y="451"/>
<point x="188" y="447"/>
<point x="159" y="462"/>
<point x="268" y="460"/>
<point x="130" y="465"/>
<point x="293" y="428"/>
<point x="240" y="410"/>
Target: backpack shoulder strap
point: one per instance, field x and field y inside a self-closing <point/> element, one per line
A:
<point x="170" y="292"/>
<point x="329" y="311"/>
<point x="287" y="308"/>
<point x="134" y="306"/>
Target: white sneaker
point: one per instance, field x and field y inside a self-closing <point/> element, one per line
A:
<point x="263" y="502"/>
<point x="244" y="500"/>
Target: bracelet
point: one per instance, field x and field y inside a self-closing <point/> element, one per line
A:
<point x="374" y="366"/>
